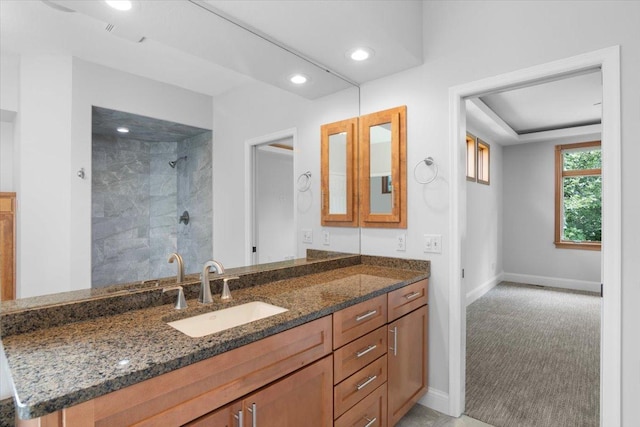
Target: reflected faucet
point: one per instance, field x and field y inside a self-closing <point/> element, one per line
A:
<point x="177" y="257"/>
<point x="205" y="289"/>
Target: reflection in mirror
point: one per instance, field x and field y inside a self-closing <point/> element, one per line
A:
<point x="338" y="143"/>
<point x="142" y="181"/>
<point x="381" y="183"/>
<point x="383" y="176"/>
<point x="338" y="173"/>
<point x="179" y="73"/>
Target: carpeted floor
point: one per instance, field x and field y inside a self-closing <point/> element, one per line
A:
<point x="533" y="357"/>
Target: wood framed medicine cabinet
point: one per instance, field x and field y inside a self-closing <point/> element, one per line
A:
<point x="382" y="140"/>
<point x="338" y="171"/>
<point x="364" y="170"/>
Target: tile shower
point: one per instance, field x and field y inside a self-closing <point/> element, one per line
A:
<point x="137" y="199"/>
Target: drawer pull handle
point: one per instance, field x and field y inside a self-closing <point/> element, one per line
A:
<point x="371" y="422"/>
<point x="366" y="382"/>
<point x="254" y="415"/>
<point x="239" y="418"/>
<point x="412" y="295"/>
<point x="364" y="316"/>
<point x="361" y="353"/>
<point x="394" y="331"/>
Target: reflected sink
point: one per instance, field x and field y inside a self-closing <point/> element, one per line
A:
<point x="227" y="318"/>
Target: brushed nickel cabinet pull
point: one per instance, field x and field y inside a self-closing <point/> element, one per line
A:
<point x="366" y="382"/>
<point x="365" y="315"/>
<point x="371" y="422"/>
<point x="239" y="418"/>
<point x="412" y="295"/>
<point x="254" y="415"/>
<point x="394" y="331"/>
<point x="365" y="351"/>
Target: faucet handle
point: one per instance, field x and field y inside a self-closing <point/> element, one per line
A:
<point x="181" y="303"/>
<point x="226" y="293"/>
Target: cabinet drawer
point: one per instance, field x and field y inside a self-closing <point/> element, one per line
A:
<point x="355" y="321"/>
<point x="359" y="385"/>
<point x="370" y="411"/>
<point x="407" y="299"/>
<point x="359" y="353"/>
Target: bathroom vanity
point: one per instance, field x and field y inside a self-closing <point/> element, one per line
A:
<point x="350" y="351"/>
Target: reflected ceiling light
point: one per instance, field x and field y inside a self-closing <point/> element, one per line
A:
<point x="120" y="4"/>
<point x="123" y="129"/>
<point x="299" y="79"/>
<point x="360" y="53"/>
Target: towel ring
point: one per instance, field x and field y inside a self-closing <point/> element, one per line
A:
<point x="429" y="162"/>
<point x="304" y="181"/>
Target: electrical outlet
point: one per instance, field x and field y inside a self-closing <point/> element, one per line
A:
<point x="326" y="238"/>
<point x="433" y="243"/>
<point x="401" y="242"/>
<point x="307" y="236"/>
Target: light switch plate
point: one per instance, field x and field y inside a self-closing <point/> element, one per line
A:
<point x="433" y="243"/>
<point x="326" y="238"/>
<point x="307" y="236"/>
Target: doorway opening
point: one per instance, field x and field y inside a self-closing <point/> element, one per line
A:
<point x="608" y="61"/>
<point x="270" y="201"/>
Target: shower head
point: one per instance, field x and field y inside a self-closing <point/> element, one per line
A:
<point x="175" y="162"/>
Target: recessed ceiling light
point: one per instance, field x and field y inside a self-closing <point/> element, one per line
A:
<point x="120" y="4"/>
<point x="360" y="53"/>
<point x="123" y="129"/>
<point x="299" y="79"/>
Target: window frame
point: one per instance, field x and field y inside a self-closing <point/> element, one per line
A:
<point x="560" y="174"/>
<point x="471" y="144"/>
<point x="482" y="169"/>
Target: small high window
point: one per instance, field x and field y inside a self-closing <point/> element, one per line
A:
<point x="471" y="157"/>
<point x="483" y="162"/>
<point x="578" y="213"/>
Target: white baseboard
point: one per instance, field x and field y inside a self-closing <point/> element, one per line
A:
<point x="554" y="282"/>
<point x="436" y="399"/>
<point x="485" y="287"/>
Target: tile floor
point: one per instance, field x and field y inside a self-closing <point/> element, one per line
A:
<point x="421" y="416"/>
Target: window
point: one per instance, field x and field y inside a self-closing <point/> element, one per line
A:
<point x="578" y="196"/>
<point x="483" y="162"/>
<point x="471" y="157"/>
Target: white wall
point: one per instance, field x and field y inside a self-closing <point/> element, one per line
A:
<point x="6" y="156"/>
<point x="274" y="205"/>
<point x="510" y="36"/>
<point x="42" y="164"/>
<point x="9" y="77"/>
<point x="529" y="223"/>
<point x="256" y="111"/>
<point x="482" y="246"/>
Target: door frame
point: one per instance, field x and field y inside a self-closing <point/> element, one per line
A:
<point x="249" y="179"/>
<point x="608" y="60"/>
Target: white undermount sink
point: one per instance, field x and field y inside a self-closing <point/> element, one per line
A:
<point x="227" y="318"/>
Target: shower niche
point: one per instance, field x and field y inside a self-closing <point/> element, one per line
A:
<point x="142" y="184"/>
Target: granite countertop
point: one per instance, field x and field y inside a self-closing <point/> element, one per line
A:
<point x="60" y="366"/>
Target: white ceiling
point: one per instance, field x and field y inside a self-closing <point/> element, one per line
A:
<point x="565" y="108"/>
<point x="191" y="47"/>
<point x="198" y="45"/>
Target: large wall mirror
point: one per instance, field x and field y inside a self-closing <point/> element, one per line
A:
<point x="154" y="78"/>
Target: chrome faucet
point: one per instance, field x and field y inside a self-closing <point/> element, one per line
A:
<point x="177" y="257"/>
<point x="205" y="289"/>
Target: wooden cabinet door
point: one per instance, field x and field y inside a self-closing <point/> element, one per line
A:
<point x="407" y="362"/>
<point x="227" y="416"/>
<point x="304" y="398"/>
<point x="7" y="246"/>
